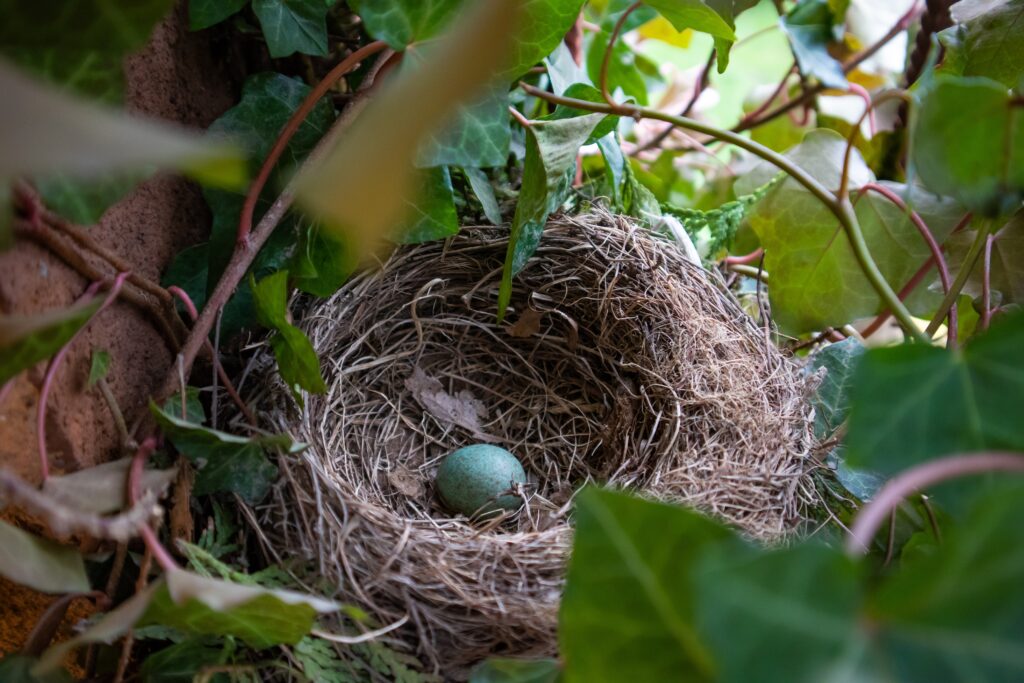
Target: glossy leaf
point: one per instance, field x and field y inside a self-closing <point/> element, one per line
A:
<point x="225" y="462"/>
<point x="811" y="27"/>
<point x="912" y="403"/>
<point x="432" y="216"/>
<point x="82" y="45"/>
<point x="831" y="400"/>
<point x="551" y="148"/>
<point x="478" y="136"/>
<point x="26" y="340"/>
<point x="296" y="358"/>
<point x="695" y="14"/>
<point x="292" y="26"/>
<point x="321" y="264"/>
<point x="40" y="564"/>
<point x="980" y="43"/>
<point x="205" y="13"/>
<point x="984" y="169"/>
<point x="629" y="604"/>
<point x="402" y="22"/>
<point x="816" y="279"/>
<point x="484" y="192"/>
<point x="360" y="188"/>
<point x="101" y="489"/>
<point x="588" y="93"/>
<point x="956" y="614"/>
<point x="262" y="618"/>
<point x="516" y="671"/>
<point x="622" y="68"/>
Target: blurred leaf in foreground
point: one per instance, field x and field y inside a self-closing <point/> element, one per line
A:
<point x="40" y="564"/>
<point x="26" y="340"/>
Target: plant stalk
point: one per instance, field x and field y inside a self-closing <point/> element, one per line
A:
<point x="977" y="246"/>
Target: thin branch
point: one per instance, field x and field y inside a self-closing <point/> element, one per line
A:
<point x="918" y="478"/>
<point x="757" y="273"/>
<point x="115" y="412"/>
<point x="333" y="76"/>
<point x="608" y="51"/>
<point x="842" y="209"/>
<point x="744" y="260"/>
<point x="851" y="140"/>
<point x="986" y="285"/>
<point x="929" y="239"/>
<point x="961" y="279"/>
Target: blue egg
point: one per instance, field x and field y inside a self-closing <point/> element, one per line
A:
<point x="472" y="480"/>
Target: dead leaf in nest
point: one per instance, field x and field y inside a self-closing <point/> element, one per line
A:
<point x="527" y="325"/>
<point x="406" y="482"/>
<point x="462" y="409"/>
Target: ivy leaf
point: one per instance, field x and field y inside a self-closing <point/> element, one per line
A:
<point x="956" y="613"/>
<point x="979" y="46"/>
<point x="912" y="403"/>
<point x="99" y="366"/>
<point x="40" y="564"/>
<point x="816" y="280"/>
<point x="516" y="671"/>
<point x="484" y="192"/>
<point x="292" y="26"/>
<point x="85" y="201"/>
<point x="1006" y="274"/>
<point x="44" y="131"/>
<point x="296" y="358"/>
<point x="26" y="340"/>
<point x="189" y="270"/>
<point x="400" y="23"/>
<point x="479" y="136"/>
<point x="361" y="187"/>
<point x="181" y="662"/>
<point x="831" y="400"/>
<point x="260" y="617"/>
<point x="551" y="148"/>
<point x="321" y="263"/>
<point x="622" y="69"/>
<point x="100" y="489"/>
<point x="811" y="27"/>
<point x="985" y="168"/>
<point x="82" y="46"/>
<point x="225" y="462"/>
<point x="715" y="17"/>
<point x="788" y="614"/>
<point x="629" y="603"/>
<point x="432" y="216"/>
<point x="588" y="93"/>
<point x="205" y="13"/>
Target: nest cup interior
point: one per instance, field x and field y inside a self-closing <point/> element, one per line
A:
<point x="621" y="363"/>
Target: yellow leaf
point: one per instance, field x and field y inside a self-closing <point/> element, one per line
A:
<point x="659" y="28"/>
<point x="362" y="186"/>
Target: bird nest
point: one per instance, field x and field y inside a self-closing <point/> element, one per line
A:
<point x="623" y="364"/>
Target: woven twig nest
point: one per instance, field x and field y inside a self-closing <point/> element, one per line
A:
<point x="624" y="364"/>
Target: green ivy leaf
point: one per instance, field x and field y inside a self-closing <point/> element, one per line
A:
<point x="40" y="564"/>
<point x="551" y="148"/>
<point x="622" y="68"/>
<point x="831" y="400"/>
<point x="81" y="46"/>
<point x="811" y="27"/>
<point x="26" y="340"/>
<point x="912" y="403"/>
<point x="984" y="169"/>
<point x="479" y="136"/>
<point x="715" y="17"/>
<point x="629" y="603"/>
<point x="788" y="614"/>
<point x="321" y="263"/>
<point x="296" y="358"/>
<point x="484" y="192"/>
<point x="181" y="662"/>
<point x="979" y="46"/>
<point x="205" y="13"/>
<point x="516" y="671"/>
<point x="99" y="366"/>
<point x="955" y="614"/>
<point x="1006" y="272"/>
<point x="292" y="26"/>
<point x="225" y="462"/>
<point x="816" y="280"/>
<point x="85" y="201"/>
<point x="588" y="93"/>
<point x="432" y="216"/>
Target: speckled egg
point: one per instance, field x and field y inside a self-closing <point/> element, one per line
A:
<point x="472" y="479"/>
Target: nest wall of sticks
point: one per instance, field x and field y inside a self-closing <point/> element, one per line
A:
<point x="623" y="364"/>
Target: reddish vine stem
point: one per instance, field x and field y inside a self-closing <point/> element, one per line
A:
<point x="333" y="76"/>
<point x="746" y="259"/>
<point x="986" y="285"/>
<point x="851" y="140"/>
<point x="160" y="554"/>
<point x="918" y="478"/>
<point x="848" y="66"/>
<point x="54" y="365"/>
<point x="229" y="386"/>
<point x="929" y="239"/>
<point x="247" y="249"/>
<point x="605" y="93"/>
